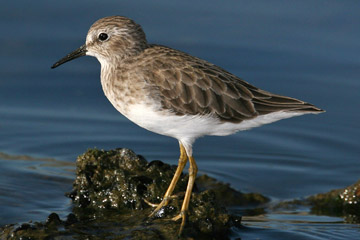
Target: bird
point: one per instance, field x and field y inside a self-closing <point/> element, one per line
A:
<point x="175" y="94"/>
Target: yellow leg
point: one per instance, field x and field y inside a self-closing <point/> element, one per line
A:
<point x="185" y="206"/>
<point x="167" y="196"/>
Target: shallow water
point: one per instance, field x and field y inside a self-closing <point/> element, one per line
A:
<point x="304" y="49"/>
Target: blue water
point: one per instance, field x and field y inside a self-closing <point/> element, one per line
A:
<point x="304" y="49"/>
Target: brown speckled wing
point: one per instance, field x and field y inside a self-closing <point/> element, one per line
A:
<point x="189" y="85"/>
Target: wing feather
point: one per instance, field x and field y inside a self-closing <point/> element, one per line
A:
<point x="189" y="85"/>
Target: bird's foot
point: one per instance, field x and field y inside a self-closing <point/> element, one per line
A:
<point x="158" y="206"/>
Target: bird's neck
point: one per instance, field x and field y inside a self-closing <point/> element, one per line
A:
<point x="107" y="75"/>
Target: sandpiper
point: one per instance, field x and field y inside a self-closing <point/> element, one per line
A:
<point x="172" y="93"/>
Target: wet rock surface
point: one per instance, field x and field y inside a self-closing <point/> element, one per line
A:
<point x="343" y="202"/>
<point x="108" y="203"/>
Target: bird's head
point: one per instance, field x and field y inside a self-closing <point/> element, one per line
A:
<point x="110" y="39"/>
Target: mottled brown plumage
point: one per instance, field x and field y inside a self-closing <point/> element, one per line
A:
<point x="189" y="85"/>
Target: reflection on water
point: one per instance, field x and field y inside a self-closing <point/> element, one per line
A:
<point x="302" y="49"/>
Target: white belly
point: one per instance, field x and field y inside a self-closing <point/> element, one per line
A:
<point x="194" y="126"/>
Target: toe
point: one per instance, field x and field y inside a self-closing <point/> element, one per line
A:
<point x="151" y="204"/>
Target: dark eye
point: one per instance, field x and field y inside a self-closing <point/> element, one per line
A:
<point x="103" y="36"/>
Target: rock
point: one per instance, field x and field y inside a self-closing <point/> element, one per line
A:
<point x="119" y="179"/>
<point x="340" y="202"/>
<point x="343" y="202"/>
<point x="108" y="203"/>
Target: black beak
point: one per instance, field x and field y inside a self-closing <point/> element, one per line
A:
<point x="81" y="51"/>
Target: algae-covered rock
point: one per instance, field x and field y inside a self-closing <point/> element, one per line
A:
<point x="49" y="229"/>
<point x="120" y="179"/>
<point x="339" y="202"/>
<point x="228" y="196"/>
<point x="108" y="203"/>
